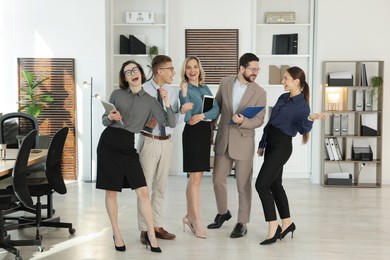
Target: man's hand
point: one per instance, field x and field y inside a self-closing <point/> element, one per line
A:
<point x="238" y="119"/>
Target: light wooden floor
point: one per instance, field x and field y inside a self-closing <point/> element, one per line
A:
<point x="332" y="223"/>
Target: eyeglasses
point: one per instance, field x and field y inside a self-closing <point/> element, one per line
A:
<point x="169" y="68"/>
<point x="253" y="69"/>
<point x="134" y="70"/>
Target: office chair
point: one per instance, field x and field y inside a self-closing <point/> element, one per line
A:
<point x="14" y="124"/>
<point x="55" y="183"/>
<point x="9" y="199"/>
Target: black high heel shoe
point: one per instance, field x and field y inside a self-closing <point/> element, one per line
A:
<point x="274" y="238"/>
<point x="153" y="249"/>
<point x="119" y="248"/>
<point x="290" y="228"/>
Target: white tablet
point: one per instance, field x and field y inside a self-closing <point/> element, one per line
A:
<point x="109" y="107"/>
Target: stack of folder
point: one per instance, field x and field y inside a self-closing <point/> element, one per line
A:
<point x="131" y="45"/>
<point x="333" y="149"/>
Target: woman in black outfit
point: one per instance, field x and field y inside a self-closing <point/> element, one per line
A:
<point x="118" y="164"/>
<point x="291" y="114"/>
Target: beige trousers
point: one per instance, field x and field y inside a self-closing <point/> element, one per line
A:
<point x="155" y="157"/>
<point x="244" y="172"/>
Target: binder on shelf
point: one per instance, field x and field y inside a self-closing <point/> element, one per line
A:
<point x="338" y="149"/>
<point x="363" y="78"/>
<point x="333" y="147"/>
<point x="329" y="149"/>
<point x="359" y="100"/>
<point x="368" y="100"/>
<point x="336" y="124"/>
<point x="285" y="44"/>
<point x="136" y="46"/>
<point x="124" y="45"/>
<point x="344" y="124"/>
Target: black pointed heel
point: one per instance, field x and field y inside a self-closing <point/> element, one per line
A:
<point x="274" y="238"/>
<point x="290" y="228"/>
<point x="119" y="248"/>
<point x="153" y="249"/>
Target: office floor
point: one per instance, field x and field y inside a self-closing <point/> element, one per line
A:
<point x="332" y="223"/>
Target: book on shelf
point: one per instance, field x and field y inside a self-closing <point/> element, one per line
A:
<point x="344" y="124"/>
<point x="329" y="149"/>
<point x="338" y="149"/>
<point x="359" y="100"/>
<point x="336" y="124"/>
<point x="333" y="148"/>
<point x="368" y="100"/>
<point x="363" y="79"/>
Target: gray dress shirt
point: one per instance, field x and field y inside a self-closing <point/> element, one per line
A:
<point x="136" y="110"/>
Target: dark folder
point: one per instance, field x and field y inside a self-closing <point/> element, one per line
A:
<point x="136" y="46"/>
<point x="285" y="44"/>
<point x="124" y="45"/>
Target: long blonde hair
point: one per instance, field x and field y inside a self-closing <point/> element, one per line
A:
<point x="202" y="74"/>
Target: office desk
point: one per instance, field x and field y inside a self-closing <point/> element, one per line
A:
<point x="6" y="166"/>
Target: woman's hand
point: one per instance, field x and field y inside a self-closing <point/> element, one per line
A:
<point x="316" y="116"/>
<point x="196" y="119"/>
<point x="260" y="152"/>
<point x="114" y="115"/>
<point x="184" y="88"/>
<point x="186" y="107"/>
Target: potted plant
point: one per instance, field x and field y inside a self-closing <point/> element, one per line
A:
<point x="33" y="101"/>
<point x="377" y="88"/>
<point x="153" y="51"/>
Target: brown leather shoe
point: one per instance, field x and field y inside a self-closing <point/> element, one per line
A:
<point x="143" y="238"/>
<point x="163" y="234"/>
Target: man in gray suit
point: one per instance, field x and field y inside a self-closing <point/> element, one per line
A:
<point x="236" y="142"/>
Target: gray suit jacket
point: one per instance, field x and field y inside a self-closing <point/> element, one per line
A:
<point x="238" y="140"/>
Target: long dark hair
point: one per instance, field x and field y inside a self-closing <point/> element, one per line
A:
<point x="123" y="84"/>
<point x="298" y="73"/>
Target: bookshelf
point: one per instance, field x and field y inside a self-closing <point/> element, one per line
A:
<point x="262" y="45"/>
<point x="153" y="34"/>
<point x="354" y="122"/>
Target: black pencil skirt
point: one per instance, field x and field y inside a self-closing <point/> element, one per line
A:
<point x="118" y="163"/>
<point x="196" y="147"/>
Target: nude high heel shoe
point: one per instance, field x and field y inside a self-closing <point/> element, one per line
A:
<point x="187" y="222"/>
<point x="199" y="230"/>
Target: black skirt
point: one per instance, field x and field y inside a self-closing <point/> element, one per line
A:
<point x="118" y="163"/>
<point x="196" y="147"/>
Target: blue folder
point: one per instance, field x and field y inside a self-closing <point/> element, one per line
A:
<point x="248" y="112"/>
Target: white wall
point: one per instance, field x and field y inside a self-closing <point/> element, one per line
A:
<point x="56" y="29"/>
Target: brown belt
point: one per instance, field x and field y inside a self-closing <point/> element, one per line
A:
<point x="156" y="136"/>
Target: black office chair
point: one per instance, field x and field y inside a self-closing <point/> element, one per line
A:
<point x="55" y="183"/>
<point x="17" y="124"/>
<point x="10" y="199"/>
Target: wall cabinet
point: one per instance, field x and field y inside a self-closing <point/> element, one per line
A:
<point x="153" y="34"/>
<point x="354" y="122"/>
